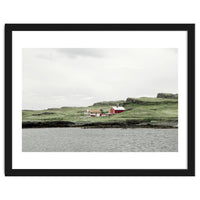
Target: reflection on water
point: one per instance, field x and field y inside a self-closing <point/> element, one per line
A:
<point x="99" y="140"/>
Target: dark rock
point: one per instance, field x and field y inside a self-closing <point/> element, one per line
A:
<point x="124" y="124"/>
<point x="47" y="124"/>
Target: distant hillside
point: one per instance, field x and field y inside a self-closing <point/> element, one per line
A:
<point x="161" y="98"/>
<point x="149" y="101"/>
<point x="167" y="96"/>
<point x="109" y="103"/>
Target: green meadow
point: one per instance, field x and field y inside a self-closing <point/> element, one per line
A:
<point x="142" y="109"/>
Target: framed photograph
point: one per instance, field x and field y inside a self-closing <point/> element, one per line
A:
<point x="99" y="99"/>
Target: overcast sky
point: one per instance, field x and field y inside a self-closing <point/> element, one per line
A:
<point x="81" y="77"/>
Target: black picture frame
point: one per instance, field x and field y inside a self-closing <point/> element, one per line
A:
<point x="190" y="28"/>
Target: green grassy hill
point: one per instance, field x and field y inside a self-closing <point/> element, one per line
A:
<point x="142" y="109"/>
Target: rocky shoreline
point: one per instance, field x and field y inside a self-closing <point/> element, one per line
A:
<point x="124" y="124"/>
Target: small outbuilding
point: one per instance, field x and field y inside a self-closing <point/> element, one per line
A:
<point x="117" y="109"/>
<point x="94" y="113"/>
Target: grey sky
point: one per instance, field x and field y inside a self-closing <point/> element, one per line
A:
<point x="81" y="77"/>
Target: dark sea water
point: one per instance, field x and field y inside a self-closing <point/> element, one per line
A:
<point x="99" y="140"/>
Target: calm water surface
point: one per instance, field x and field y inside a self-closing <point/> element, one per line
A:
<point x="99" y="140"/>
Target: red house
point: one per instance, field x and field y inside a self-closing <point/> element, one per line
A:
<point x="116" y="109"/>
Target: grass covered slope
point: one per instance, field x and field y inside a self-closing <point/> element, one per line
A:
<point x="143" y="109"/>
